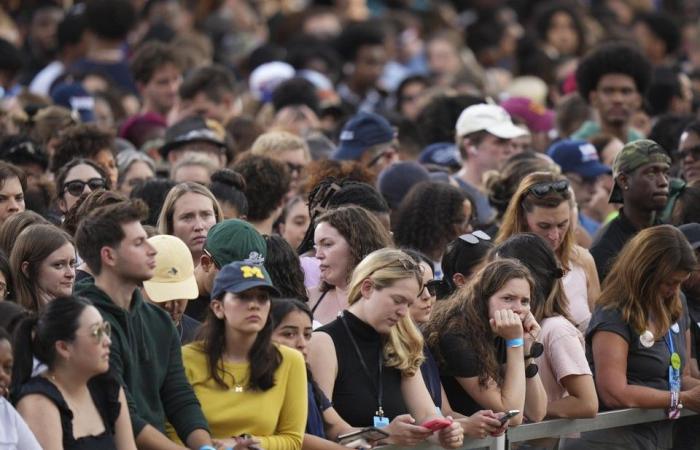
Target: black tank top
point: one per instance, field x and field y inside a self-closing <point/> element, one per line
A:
<point x="104" y="391"/>
<point x="354" y="395"/>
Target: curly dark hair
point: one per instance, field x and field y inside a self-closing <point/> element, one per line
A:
<point x="612" y="58"/>
<point x="437" y="120"/>
<point x="664" y="27"/>
<point x="150" y="57"/>
<point x="267" y="182"/>
<point x="110" y="19"/>
<point x="543" y="21"/>
<point x="356" y="35"/>
<point x="466" y="314"/>
<point x="282" y="263"/>
<point x="429" y="217"/>
<point x="80" y="141"/>
<point x="214" y="81"/>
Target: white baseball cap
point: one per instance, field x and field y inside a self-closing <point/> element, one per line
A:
<point x="490" y="118"/>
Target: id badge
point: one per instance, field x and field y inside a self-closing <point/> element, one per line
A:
<point x="380" y="421"/>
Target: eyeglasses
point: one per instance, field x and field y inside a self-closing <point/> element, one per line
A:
<point x="386" y="153"/>
<point x="76" y="187"/>
<point x="216" y="264"/>
<point x="99" y="332"/>
<point x="473" y="238"/>
<point x="541" y="189"/>
<point x="432" y="287"/>
<point x="295" y="167"/>
<point x="693" y="152"/>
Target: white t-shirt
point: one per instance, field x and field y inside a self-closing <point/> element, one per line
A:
<point x="14" y="432"/>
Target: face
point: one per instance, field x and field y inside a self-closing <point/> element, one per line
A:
<point x="89" y="351"/>
<point x="194" y="172"/>
<point x="11" y="198"/>
<point x="690" y="166"/>
<point x="244" y="313"/>
<point x="671" y="286"/>
<point x="610" y="151"/>
<point x="212" y="152"/>
<point x="104" y="117"/>
<point x="105" y="159"/>
<point x="161" y="91"/>
<point x="295" y="224"/>
<point x="443" y="58"/>
<point x="551" y="224"/>
<point x="514" y="295"/>
<point x="369" y="65"/>
<point x="202" y="105"/>
<point x="492" y="152"/>
<point x="3" y="286"/>
<point x="647" y="186"/>
<point x="294" y="331"/>
<point x="423" y="306"/>
<point x="138" y="173"/>
<point x="175" y="308"/>
<point x="296" y="162"/>
<point x="81" y="172"/>
<point x="6" y="362"/>
<point x="562" y="34"/>
<point x="411" y="97"/>
<point x="584" y="188"/>
<point x="56" y="273"/>
<point x="333" y="252"/>
<point x="134" y="258"/>
<point x="616" y="99"/>
<point x="391" y="304"/>
<point x="193" y="215"/>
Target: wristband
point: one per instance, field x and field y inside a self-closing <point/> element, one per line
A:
<point x="206" y="447"/>
<point x="512" y="343"/>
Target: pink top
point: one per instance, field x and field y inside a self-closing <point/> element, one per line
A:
<point x="564" y="355"/>
<point x="312" y="272"/>
<point x="576" y="289"/>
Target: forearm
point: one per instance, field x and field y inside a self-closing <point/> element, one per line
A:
<point x="570" y="407"/>
<point x="286" y="441"/>
<point x="633" y="396"/>
<point x="151" y="439"/>
<point x="197" y="438"/>
<point x="513" y="390"/>
<point x="535" y="399"/>
<point x="689" y="382"/>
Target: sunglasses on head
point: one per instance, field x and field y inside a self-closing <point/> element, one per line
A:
<point x="693" y="152"/>
<point x="473" y="238"/>
<point x="76" y="187"/>
<point x="539" y="190"/>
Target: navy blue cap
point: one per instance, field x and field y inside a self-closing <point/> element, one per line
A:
<point x="361" y="132"/>
<point x="239" y="276"/>
<point x="443" y="154"/>
<point x="579" y="157"/>
<point x="74" y="97"/>
<point x="691" y="231"/>
<point x="396" y="180"/>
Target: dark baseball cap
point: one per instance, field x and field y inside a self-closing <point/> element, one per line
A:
<point x="442" y="154"/>
<point x="691" y="231"/>
<point x="362" y="131"/>
<point x="235" y="240"/>
<point x="634" y="155"/>
<point x="577" y="156"/>
<point x="193" y="129"/>
<point x="239" y="276"/>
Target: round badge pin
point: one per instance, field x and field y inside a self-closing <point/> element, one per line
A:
<point x="646" y="339"/>
<point x="676" y="360"/>
<point x="675" y="328"/>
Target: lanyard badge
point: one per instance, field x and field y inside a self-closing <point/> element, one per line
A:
<point x="674" y="379"/>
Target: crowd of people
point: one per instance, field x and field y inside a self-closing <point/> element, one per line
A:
<point x="321" y="224"/>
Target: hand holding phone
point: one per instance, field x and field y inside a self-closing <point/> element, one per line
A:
<point x="436" y="424"/>
<point x="507" y="416"/>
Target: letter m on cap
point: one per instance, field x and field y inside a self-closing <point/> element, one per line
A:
<point x="250" y="272"/>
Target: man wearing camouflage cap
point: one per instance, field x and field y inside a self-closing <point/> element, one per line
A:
<point x="641" y="176"/>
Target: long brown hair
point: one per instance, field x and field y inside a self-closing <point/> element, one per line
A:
<point x="632" y="286"/>
<point x="466" y="314"/>
<point x="523" y="202"/>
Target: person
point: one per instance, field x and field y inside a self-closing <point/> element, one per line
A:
<point x="114" y="246"/>
<point x="462" y="259"/>
<point x="286" y="148"/>
<point x="75" y="178"/>
<point x="210" y="91"/>
<point x="543" y="205"/>
<point x="245" y="383"/>
<point x="369" y="139"/>
<point x="294" y="221"/>
<point x="229" y="189"/>
<point x="342" y="237"/>
<point x="173" y="283"/>
<point x="157" y="71"/>
<point x="431" y="216"/>
<point x="135" y="168"/>
<point x="292" y="326"/>
<point x="188" y="212"/>
<point x="638" y="339"/>
<point x="376" y="333"/>
<point x="75" y="404"/>
<point x="89" y="142"/>
<point x="13" y="226"/>
<point x="482" y="328"/>
<point x="193" y="167"/>
<point x="43" y="265"/>
<point x="689" y="153"/>
<point x="562" y="364"/>
<point x="641" y="184"/>
<point x="267" y="183"/>
<point x="195" y="134"/>
<point x="13" y="184"/>
<point x="612" y="79"/>
<point x="282" y="263"/>
<point x="153" y="193"/>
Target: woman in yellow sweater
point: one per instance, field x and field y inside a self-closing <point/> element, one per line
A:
<point x="246" y="384"/>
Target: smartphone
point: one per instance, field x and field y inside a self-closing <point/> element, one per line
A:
<point x="509" y="415"/>
<point x="436" y="424"/>
<point x="369" y="434"/>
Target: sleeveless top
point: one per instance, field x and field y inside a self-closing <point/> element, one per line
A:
<point x="354" y="395"/>
<point x="576" y="289"/>
<point x="104" y="391"/>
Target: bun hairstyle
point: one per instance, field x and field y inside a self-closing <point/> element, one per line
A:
<point x="229" y="186"/>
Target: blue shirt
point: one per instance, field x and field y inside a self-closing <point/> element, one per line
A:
<point x="314" y="420"/>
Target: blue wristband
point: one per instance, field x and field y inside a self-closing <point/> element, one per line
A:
<point x="207" y="447"/>
<point x="511" y="343"/>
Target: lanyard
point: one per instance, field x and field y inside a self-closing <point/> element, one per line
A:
<point x="675" y="361"/>
<point x="365" y="369"/>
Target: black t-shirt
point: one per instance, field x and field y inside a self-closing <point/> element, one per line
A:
<point x="459" y="360"/>
<point x="197" y="308"/>
<point x="694" y="313"/>
<point x="645" y="366"/>
<point x="609" y="241"/>
<point x="354" y="393"/>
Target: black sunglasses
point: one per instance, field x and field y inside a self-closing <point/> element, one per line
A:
<point x="294" y="167"/>
<point x="76" y="187"/>
<point x="539" y="190"/>
<point x="473" y="238"/>
<point x="694" y="153"/>
<point x="432" y="287"/>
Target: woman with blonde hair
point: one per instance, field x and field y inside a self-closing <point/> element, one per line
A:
<point x="189" y="210"/>
<point x="543" y="204"/>
<point x="376" y="335"/>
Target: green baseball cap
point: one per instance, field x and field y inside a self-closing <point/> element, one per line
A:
<point x="235" y="240"/>
<point x="634" y="155"/>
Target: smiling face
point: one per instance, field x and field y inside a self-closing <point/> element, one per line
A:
<point x="294" y="331"/>
<point x="514" y="295"/>
<point x="551" y="224"/>
<point x="193" y="215"/>
<point x="333" y="252"/>
<point x="423" y="306"/>
<point x="56" y="273"/>
<point x="244" y="313"/>
<point x="389" y="305"/>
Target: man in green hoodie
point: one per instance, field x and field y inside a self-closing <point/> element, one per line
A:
<point x="145" y="352"/>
